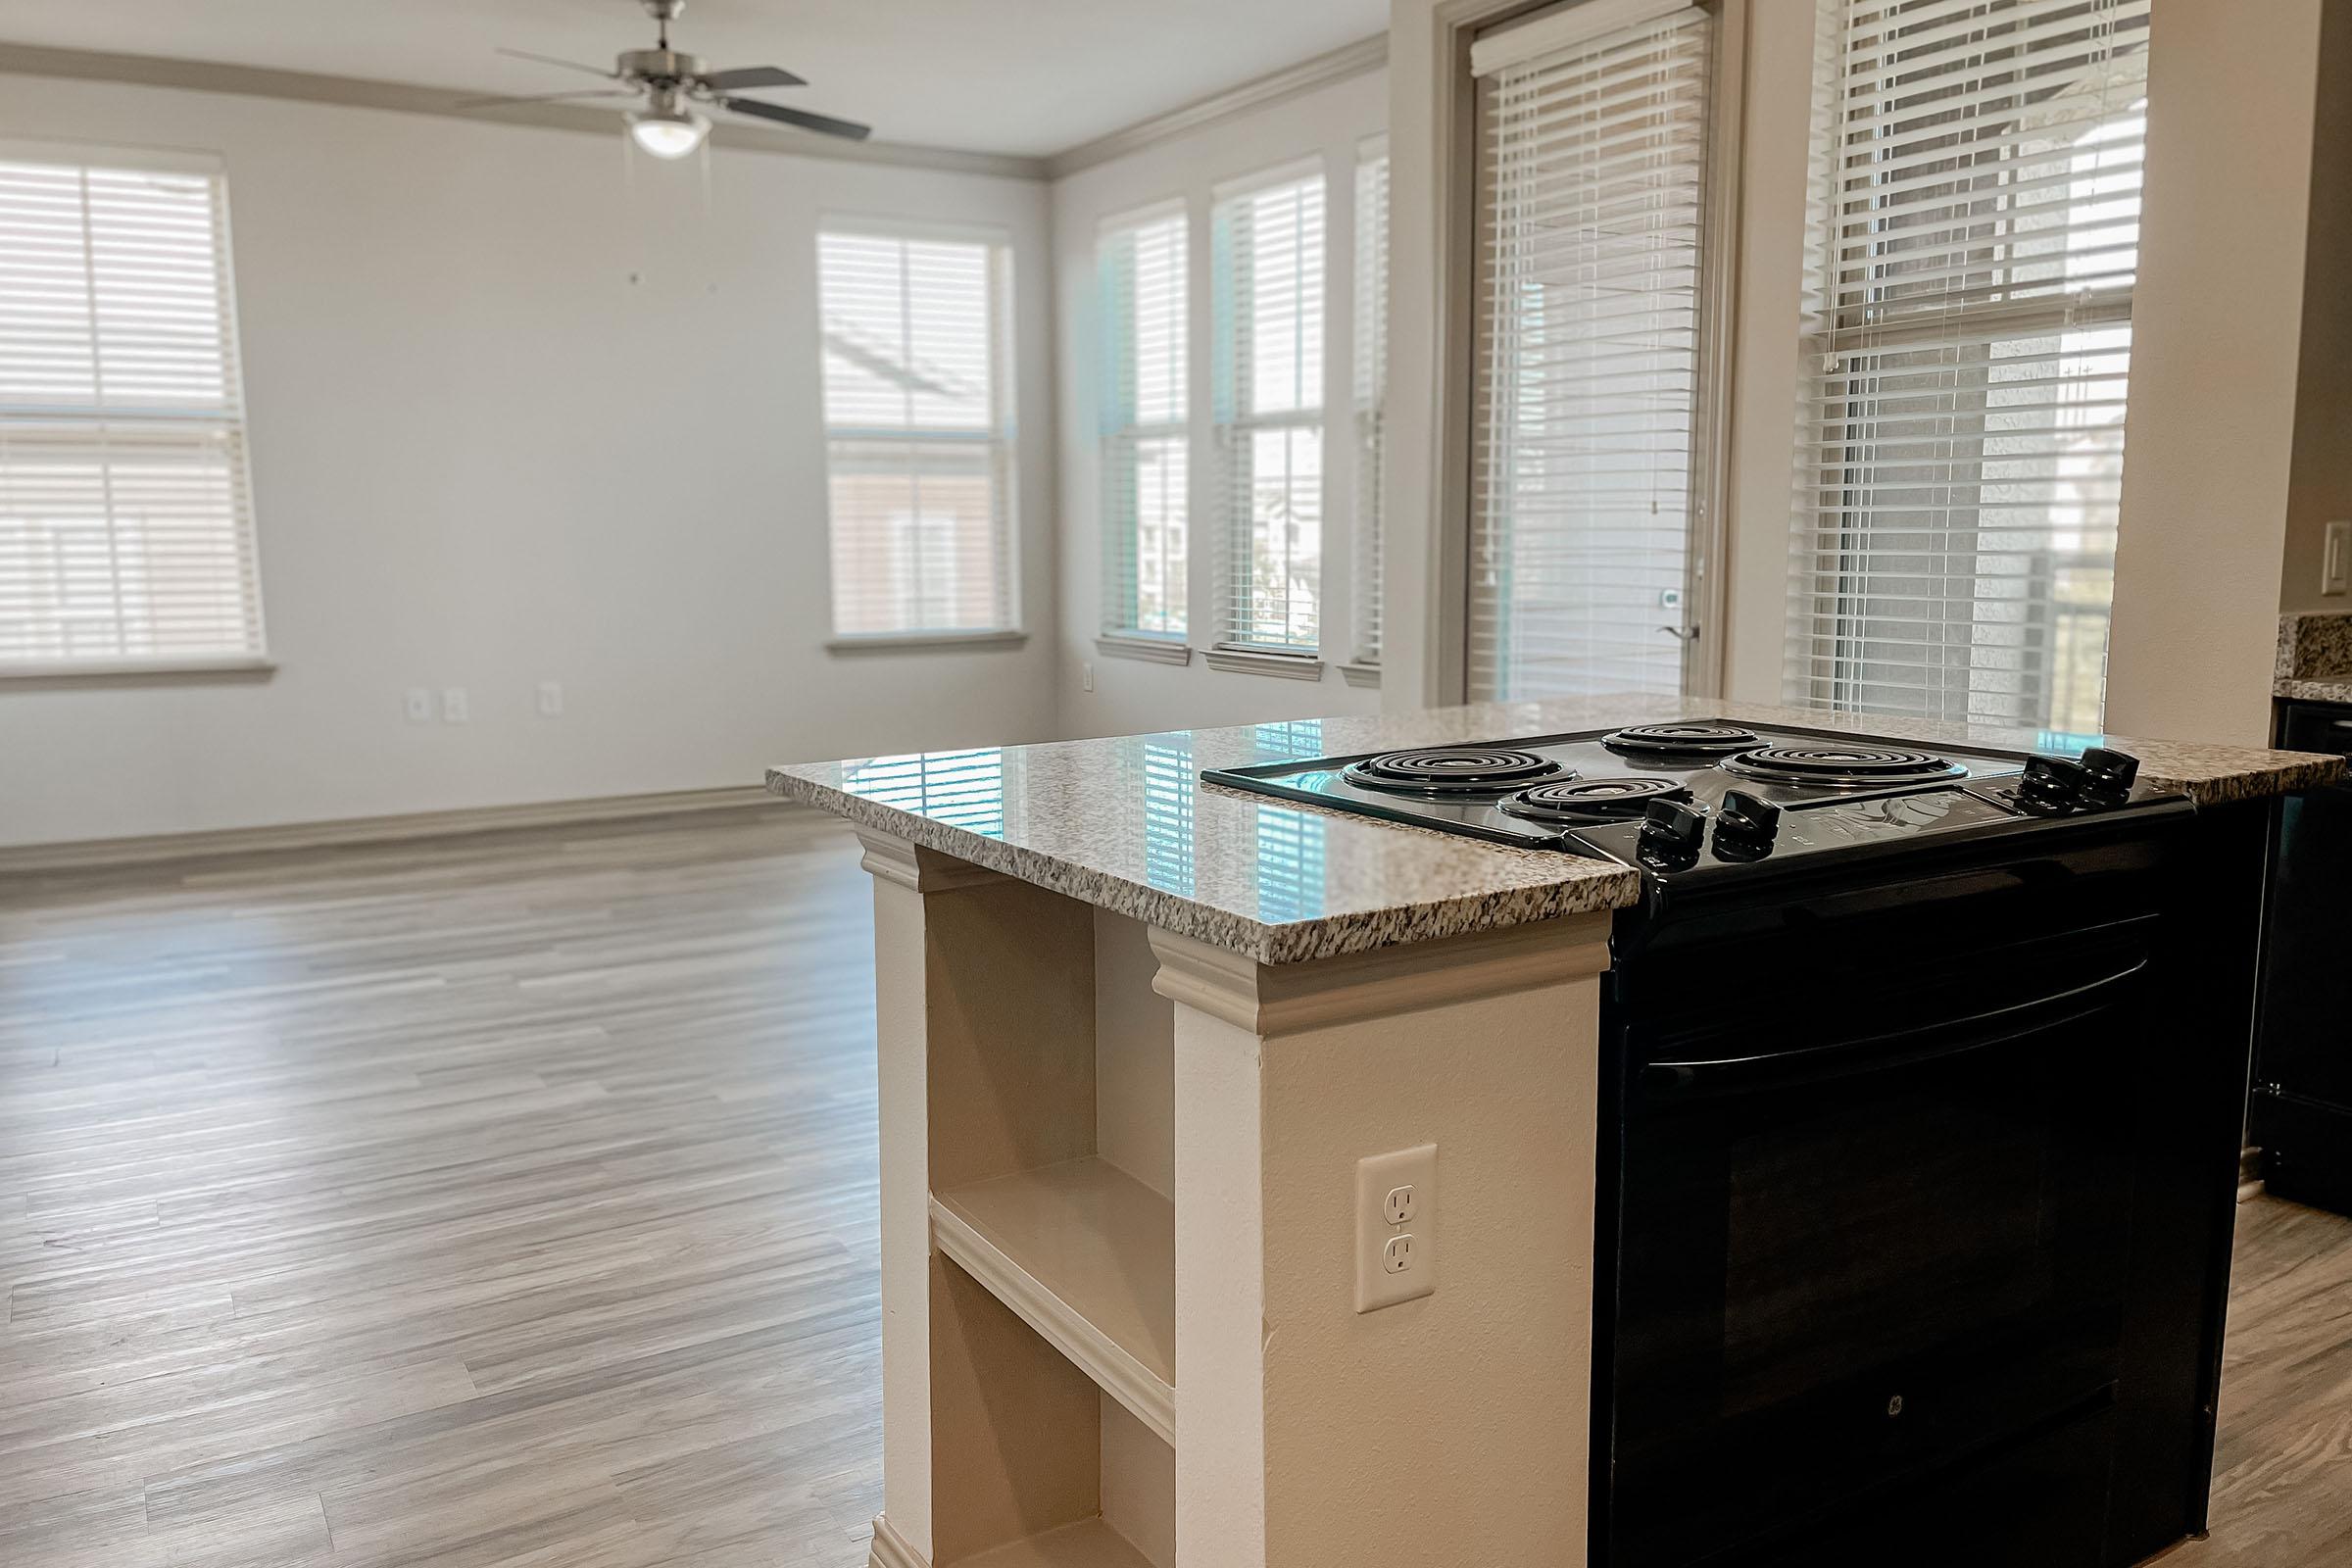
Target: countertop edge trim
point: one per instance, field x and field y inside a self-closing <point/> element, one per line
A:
<point x="1267" y="1001"/>
<point x="1603" y="887"/>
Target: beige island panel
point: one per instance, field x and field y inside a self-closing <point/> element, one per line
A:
<point x="1135" y="1034"/>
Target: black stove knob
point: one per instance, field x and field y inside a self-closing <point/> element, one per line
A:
<point x="1744" y="817"/>
<point x="2110" y="774"/>
<point x="2052" y="784"/>
<point x="1673" y="832"/>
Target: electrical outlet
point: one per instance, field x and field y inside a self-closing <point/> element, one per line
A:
<point x="2335" y="568"/>
<point x="1393" y="1191"/>
<point x="1086" y="674"/>
<point x="453" y="706"/>
<point x="420" y="704"/>
<point x="551" y="699"/>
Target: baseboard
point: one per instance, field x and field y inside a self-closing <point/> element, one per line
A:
<point x="891" y="1550"/>
<point x="95" y="853"/>
<point x="2249" y="1174"/>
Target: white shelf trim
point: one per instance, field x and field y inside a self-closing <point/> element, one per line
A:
<point x="1258" y="661"/>
<point x="980" y="1252"/>
<point x="1143" y="646"/>
<point x="910" y="642"/>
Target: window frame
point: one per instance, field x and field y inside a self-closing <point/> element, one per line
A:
<point x="233" y="419"/>
<point x="1840" y="327"/>
<point x="1368" y="376"/>
<point x="1228" y="426"/>
<point x="1117" y="442"/>
<point x="1464" y="201"/>
<point x="1002" y="436"/>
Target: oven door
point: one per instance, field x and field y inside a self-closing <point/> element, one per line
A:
<point x="1850" y="1255"/>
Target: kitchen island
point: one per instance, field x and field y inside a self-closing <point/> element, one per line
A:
<point x="1137" y="1035"/>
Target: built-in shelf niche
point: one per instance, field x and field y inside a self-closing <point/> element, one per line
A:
<point x="1089" y="1544"/>
<point x="1052" y="1156"/>
<point x="1085" y="1255"/>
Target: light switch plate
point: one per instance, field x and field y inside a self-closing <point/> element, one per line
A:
<point x="2335" y="568"/>
<point x="1396" y="1261"/>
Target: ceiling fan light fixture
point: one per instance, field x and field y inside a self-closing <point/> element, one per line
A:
<point x="669" y="133"/>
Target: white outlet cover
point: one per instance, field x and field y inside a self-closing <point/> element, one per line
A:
<point x="1377" y="1283"/>
<point x="551" y="699"/>
<point x="454" y="708"/>
<point x="418" y="702"/>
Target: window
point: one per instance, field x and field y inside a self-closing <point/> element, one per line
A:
<point x="1144" y="451"/>
<point x="1371" y="389"/>
<point x="918" y="433"/>
<point x="127" y="536"/>
<point x="1266" y="279"/>
<point x="1967" y="351"/>
<point x="1594" y="137"/>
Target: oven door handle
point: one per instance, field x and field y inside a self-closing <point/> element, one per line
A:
<point x="1724" y="1075"/>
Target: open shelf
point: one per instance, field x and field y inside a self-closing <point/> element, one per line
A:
<point x="1091" y="1543"/>
<point x="1086" y="1255"/>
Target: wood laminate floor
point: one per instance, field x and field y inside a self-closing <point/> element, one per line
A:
<point x="510" y="1201"/>
<point x="507" y="1199"/>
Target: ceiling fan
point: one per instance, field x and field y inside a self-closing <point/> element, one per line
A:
<point x="672" y="84"/>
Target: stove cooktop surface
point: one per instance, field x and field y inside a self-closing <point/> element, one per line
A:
<point x="1704" y="795"/>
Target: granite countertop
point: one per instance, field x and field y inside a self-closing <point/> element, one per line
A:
<point x="1126" y="825"/>
<point x="2315" y="656"/>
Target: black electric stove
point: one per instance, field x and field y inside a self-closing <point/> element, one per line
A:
<point x="1901" y="1049"/>
<point x="1709" y="798"/>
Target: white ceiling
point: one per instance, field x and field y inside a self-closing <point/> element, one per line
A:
<point x="1023" y="77"/>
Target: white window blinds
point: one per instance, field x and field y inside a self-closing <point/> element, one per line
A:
<point x="127" y="534"/>
<point x="1594" y="152"/>
<point x="1371" y="390"/>
<point x="1144" y="451"/>
<point x="918" y="432"/>
<point x="1968" y="349"/>
<point x="1266" y="286"/>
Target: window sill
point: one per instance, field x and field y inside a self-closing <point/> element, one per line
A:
<point x="1143" y="646"/>
<point x="1362" y="674"/>
<point x="134" y="671"/>
<point x="916" y="642"/>
<point x="1261" y="661"/>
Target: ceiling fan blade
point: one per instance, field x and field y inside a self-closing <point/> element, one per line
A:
<point x="823" y="123"/>
<point x="568" y="65"/>
<point x="546" y="98"/>
<point x="751" y="76"/>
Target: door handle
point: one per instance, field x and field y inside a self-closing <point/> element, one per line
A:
<point x="1679" y="635"/>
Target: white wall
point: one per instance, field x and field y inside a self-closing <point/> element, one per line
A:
<point x="2321" y="485"/>
<point x="520" y="412"/>
<point x="1131" y="696"/>
<point x="2217" y="321"/>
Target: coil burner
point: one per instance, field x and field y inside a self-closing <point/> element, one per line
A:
<point x="1831" y="766"/>
<point x="1588" y="799"/>
<point x="1681" y="740"/>
<point x="1444" y="772"/>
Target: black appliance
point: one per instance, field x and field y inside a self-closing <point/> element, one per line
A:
<point x="1905" y="1256"/>
<point x="2301" y="1116"/>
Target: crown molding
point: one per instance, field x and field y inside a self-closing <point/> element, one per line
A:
<point x="1350" y="59"/>
<point x="360" y="92"/>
